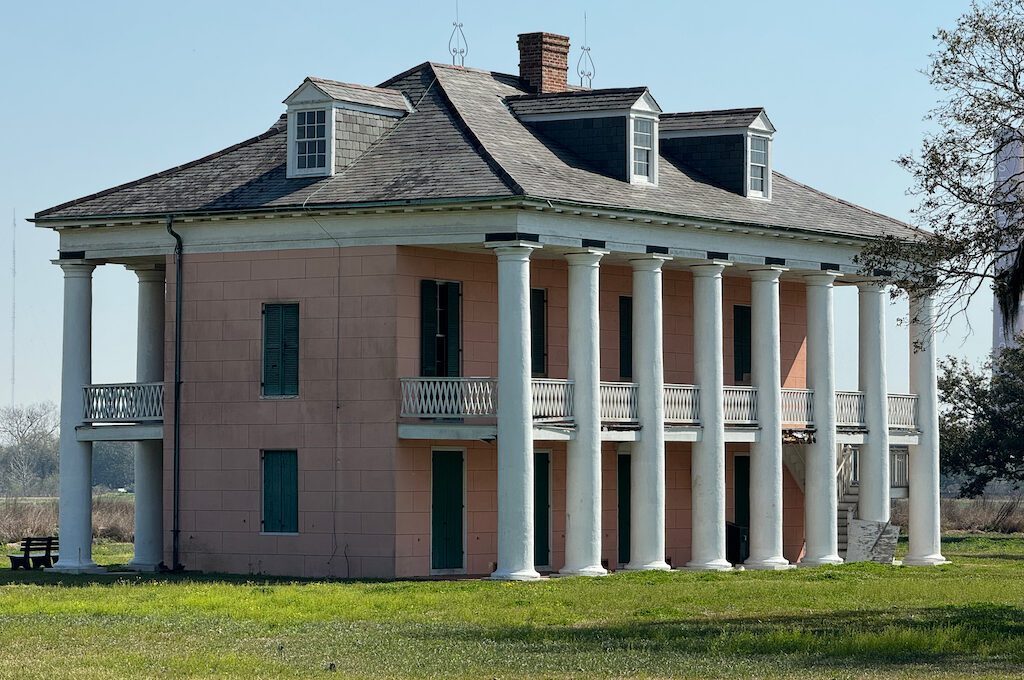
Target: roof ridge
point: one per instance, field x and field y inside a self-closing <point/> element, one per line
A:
<point x="358" y="86"/>
<point x="698" y="113"/>
<point x="848" y="203"/>
<point x="578" y="93"/>
<point x="274" y="129"/>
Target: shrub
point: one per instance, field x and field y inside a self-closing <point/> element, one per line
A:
<point x="113" y="519"/>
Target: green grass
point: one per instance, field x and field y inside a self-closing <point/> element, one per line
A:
<point x="844" y="622"/>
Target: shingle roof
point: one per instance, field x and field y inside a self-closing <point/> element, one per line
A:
<point x="708" y="120"/>
<point x="462" y="142"/>
<point x="361" y="94"/>
<point x="586" y="100"/>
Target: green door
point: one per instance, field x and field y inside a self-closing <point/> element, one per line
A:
<point x="542" y="509"/>
<point x="446" y="510"/>
<point x="623" y="485"/>
<point x="741" y="489"/>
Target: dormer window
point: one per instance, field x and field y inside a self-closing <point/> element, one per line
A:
<point x="643" y="143"/>
<point x="758" y="165"/>
<point x="311" y="139"/>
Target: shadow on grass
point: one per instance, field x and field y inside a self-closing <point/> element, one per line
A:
<point x="944" y="638"/>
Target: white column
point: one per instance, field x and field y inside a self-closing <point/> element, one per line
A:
<point x="647" y="467"/>
<point x="925" y="527"/>
<point x="707" y="462"/>
<point x="149" y="455"/>
<point x="75" y="456"/>
<point x="583" y="465"/>
<point x="515" y="415"/>
<point x="820" y="493"/>
<point x="766" y="452"/>
<point x="873" y="461"/>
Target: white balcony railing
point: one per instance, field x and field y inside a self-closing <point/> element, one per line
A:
<point x="740" y="405"/>
<point x="618" y="402"/>
<point x="798" y="407"/>
<point x="850" y="409"/>
<point x="552" y="399"/>
<point x="449" y="397"/>
<point x="682" y="405"/>
<point x="903" y="411"/>
<point x="124" y="403"/>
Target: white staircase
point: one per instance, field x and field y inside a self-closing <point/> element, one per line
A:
<point x="849" y="496"/>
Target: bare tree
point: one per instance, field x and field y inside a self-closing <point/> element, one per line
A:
<point x="28" y="447"/>
<point x="979" y="72"/>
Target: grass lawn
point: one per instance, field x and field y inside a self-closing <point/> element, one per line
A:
<point x="843" y="622"/>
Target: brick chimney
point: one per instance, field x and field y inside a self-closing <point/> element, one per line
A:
<point x="544" y="61"/>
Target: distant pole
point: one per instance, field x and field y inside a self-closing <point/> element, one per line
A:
<point x="14" y="296"/>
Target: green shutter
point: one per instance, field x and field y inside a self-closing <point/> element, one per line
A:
<point x="280" y="492"/>
<point x="428" y="328"/>
<point x="741" y="341"/>
<point x="280" y="350"/>
<point x="538" y="332"/>
<point x="446" y="550"/>
<point x="623" y="482"/>
<point x="542" y="510"/>
<point x="289" y="349"/>
<point x="626" y="337"/>
<point x="453" y="329"/>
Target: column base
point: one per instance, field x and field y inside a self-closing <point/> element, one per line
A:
<point x="657" y="565"/>
<point x="713" y="565"/>
<point x="89" y="567"/>
<point x="142" y="566"/>
<point x="825" y="561"/>
<point x="925" y="561"/>
<point x="519" y="575"/>
<point x="769" y="564"/>
<point x="594" y="570"/>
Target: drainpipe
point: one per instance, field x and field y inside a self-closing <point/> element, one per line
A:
<point x="178" y="284"/>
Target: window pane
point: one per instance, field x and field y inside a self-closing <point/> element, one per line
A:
<point x="321" y="116"/>
<point x="645" y="126"/>
<point x="320" y="132"/>
<point x="759" y="143"/>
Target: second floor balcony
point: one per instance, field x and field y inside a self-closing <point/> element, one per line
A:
<point x="476" y="398"/>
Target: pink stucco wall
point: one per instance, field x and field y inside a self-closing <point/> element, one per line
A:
<point x="364" y="495"/>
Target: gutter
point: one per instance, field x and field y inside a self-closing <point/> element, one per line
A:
<point x="178" y="286"/>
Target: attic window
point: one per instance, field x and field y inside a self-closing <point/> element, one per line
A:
<point x="311" y="139"/>
<point x="758" y="166"/>
<point x="643" y="144"/>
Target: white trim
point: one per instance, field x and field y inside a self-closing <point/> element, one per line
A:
<point x="766" y="194"/>
<point x="652" y="178"/>
<point x="574" y="115"/>
<point x="461" y="450"/>
<point x="712" y="132"/>
<point x="330" y="123"/>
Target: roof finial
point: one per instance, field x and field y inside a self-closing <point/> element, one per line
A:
<point x="585" y="66"/>
<point x="457" y="44"/>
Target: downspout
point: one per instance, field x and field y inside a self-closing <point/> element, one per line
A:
<point x="176" y="512"/>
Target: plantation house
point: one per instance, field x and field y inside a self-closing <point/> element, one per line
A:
<point x="466" y="322"/>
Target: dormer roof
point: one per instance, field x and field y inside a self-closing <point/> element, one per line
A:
<point x="315" y="90"/>
<point x="722" y="119"/>
<point x="583" y="101"/>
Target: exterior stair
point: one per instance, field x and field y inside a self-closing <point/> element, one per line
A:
<point x="847" y="510"/>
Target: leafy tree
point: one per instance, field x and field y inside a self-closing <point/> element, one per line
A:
<point x="982" y="421"/>
<point x="113" y="465"/>
<point x="978" y="70"/>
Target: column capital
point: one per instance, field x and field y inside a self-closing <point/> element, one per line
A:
<point x="710" y="268"/>
<point x="588" y="257"/>
<point x="822" y="278"/>
<point x="768" y="273"/>
<point x="650" y="262"/>
<point x="75" y="268"/>
<point x="870" y="286"/>
<point x="148" y="272"/>
<point x="512" y="250"/>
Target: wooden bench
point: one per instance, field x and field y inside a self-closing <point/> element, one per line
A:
<point x="36" y="552"/>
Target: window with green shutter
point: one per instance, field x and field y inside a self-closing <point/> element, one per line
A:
<point x="440" y="328"/>
<point x="741" y="343"/>
<point x="539" y="331"/>
<point x="280" y="492"/>
<point x="626" y="337"/>
<point x="280" y="350"/>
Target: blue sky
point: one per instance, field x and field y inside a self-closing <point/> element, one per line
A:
<point x="100" y="93"/>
